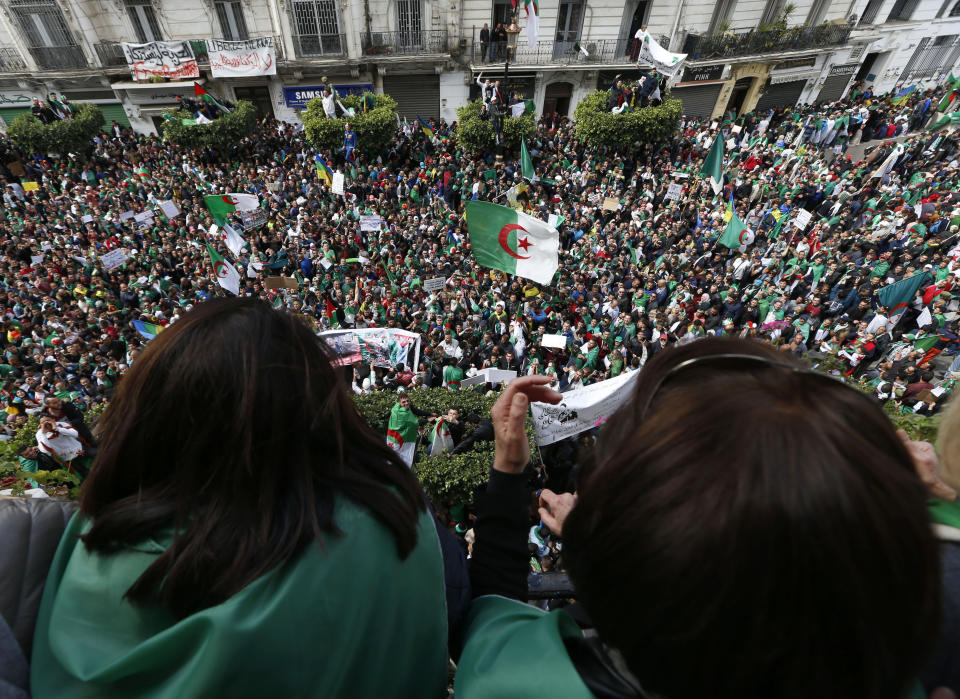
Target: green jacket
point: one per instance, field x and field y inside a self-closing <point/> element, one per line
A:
<point x="346" y="619"/>
<point x="514" y="650"/>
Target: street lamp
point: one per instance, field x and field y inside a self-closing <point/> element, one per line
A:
<point x="513" y="31"/>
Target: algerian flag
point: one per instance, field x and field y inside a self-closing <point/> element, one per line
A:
<point x="713" y="165"/>
<point x="887" y="165"/>
<point x="512" y="241"/>
<point x="734" y="235"/>
<point x="222" y="204"/>
<point x="231" y="238"/>
<point x="526" y="164"/>
<point x="402" y="431"/>
<point x="532" y="8"/>
<point x="440" y="439"/>
<point x="227" y="275"/>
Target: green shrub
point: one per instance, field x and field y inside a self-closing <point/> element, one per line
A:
<point x="475" y="134"/>
<point x="62" y="136"/>
<point x="447" y="479"/>
<point x="374" y="128"/>
<point x="223" y="134"/>
<point x="597" y="126"/>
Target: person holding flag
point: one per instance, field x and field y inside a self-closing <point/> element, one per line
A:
<point x="324" y="171"/>
<point x="403" y="429"/>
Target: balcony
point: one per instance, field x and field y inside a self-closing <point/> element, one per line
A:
<point x="11" y="61"/>
<point x="59" y="57"/>
<point x="603" y="51"/>
<point x="754" y="42"/>
<point x="320" y="45"/>
<point x="419" y="43"/>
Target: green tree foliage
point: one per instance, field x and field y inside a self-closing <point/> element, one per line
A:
<point x="223" y="134"/>
<point x="448" y="479"/>
<point x="597" y="126"/>
<point x="62" y="136"/>
<point x="476" y="134"/>
<point x="374" y="128"/>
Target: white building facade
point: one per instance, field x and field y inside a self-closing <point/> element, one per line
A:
<point x="427" y="54"/>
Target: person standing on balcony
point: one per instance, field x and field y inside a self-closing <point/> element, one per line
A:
<point x="484" y="42"/>
<point x="500" y="41"/>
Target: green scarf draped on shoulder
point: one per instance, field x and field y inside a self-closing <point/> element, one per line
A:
<point x="348" y="618"/>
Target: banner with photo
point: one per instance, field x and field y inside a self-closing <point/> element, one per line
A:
<point x="385" y="347"/>
<point x="240" y="59"/>
<point x="167" y="59"/>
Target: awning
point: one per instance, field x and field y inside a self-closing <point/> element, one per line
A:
<point x="132" y="85"/>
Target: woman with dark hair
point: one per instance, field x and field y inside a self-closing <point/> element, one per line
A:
<point x="243" y="532"/>
<point x="749" y="529"/>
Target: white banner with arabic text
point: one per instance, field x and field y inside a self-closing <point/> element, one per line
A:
<point x="581" y="409"/>
<point x="239" y="59"/>
<point x="168" y="59"/>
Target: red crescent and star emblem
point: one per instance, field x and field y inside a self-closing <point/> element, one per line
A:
<point x="228" y="200"/>
<point x="220" y="269"/>
<point x="521" y="242"/>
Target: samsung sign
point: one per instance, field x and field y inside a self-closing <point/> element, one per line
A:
<point x="297" y="97"/>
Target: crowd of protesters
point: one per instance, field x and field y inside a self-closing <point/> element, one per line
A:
<point x="634" y="279"/>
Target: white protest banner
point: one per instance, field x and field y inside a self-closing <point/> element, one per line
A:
<point x="674" y="190"/>
<point x="238" y="59"/>
<point x="126" y="216"/>
<point x="337" y="186"/>
<point x="143" y="216"/>
<point x="169" y="209"/>
<point x="113" y="259"/>
<point x="434" y="284"/>
<point x="167" y="59"/>
<point x="581" y="410"/>
<point x="385" y="347"/>
<point x="370" y="223"/>
<point x="653" y="53"/>
<point x="554" y="341"/>
<point x="802" y="219"/>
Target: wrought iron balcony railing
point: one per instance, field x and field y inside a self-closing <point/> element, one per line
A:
<point x="415" y="43"/>
<point x="753" y="41"/>
<point x="11" y="61"/>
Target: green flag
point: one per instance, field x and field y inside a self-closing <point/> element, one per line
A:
<point x="403" y="427"/>
<point x="926" y="343"/>
<point x="220" y="205"/>
<point x="896" y="296"/>
<point x="526" y="164"/>
<point x="713" y="165"/>
<point x="733" y="234"/>
<point x="512" y="242"/>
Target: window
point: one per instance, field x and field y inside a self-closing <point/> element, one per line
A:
<point x="144" y="20"/>
<point x="316" y="27"/>
<point x="931" y="58"/>
<point x="722" y="12"/>
<point x="817" y="12"/>
<point x="772" y="12"/>
<point x="47" y="34"/>
<point x="870" y="13"/>
<point x="955" y="12"/>
<point x="902" y="10"/>
<point x="232" y="24"/>
<point x="569" y="19"/>
<point x="410" y="22"/>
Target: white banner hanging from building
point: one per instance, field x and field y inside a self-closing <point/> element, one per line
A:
<point x="239" y="59"/>
<point x="168" y="59"/>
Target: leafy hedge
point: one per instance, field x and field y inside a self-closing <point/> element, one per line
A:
<point x="223" y="134"/>
<point x="62" y="136"/>
<point x="597" y="126"/>
<point x="374" y="129"/>
<point x="476" y="134"/>
<point x="450" y="478"/>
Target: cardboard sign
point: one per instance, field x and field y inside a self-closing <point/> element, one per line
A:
<point x="143" y="216"/>
<point x="126" y="216"/>
<point x="337" y="186"/>
<point x="674" y="190"/>
<point x="434" y="284"/>
<point x="87" y="218"/>
<point x="553" y="341"/>
<point x="802" y="219"/>
<point x="30" y="186"/>
<point x="370" y="223"/>
<point x="273" y="186"/>
<point x="493" y="376"/>
<point x="552" y="220"/>
<point x="736" y="128"/>
<point x="36" y="259"/>
<point x="611" y="204"/>
<point x="113" y="259"/>
<point x="280" y="283"/>
<point x="169" y="209"/>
